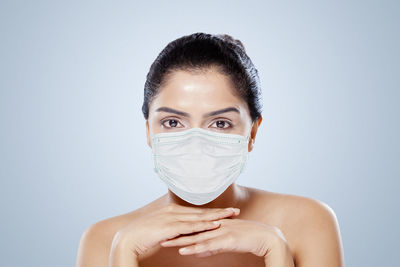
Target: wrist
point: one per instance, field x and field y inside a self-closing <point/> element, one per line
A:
<point x="121" y="255"/>
<point x="279" y="257"/>
<point x="278" y="254"/>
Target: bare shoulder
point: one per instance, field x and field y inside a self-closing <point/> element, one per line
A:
<point x="294" y="208"/>
<point x="310" y="226"/>
<point x="95" y="242"/>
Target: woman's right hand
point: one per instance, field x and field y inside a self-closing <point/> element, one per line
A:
<point x="168" y="222"/>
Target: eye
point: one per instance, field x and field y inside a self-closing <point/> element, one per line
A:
<point x="222" y="124"/>
<point x="170" y="123"/>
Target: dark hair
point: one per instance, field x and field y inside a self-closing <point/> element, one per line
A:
<point x="200" y="51"/>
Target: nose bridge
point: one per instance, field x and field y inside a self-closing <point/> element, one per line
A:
<point x="196" y="121"/>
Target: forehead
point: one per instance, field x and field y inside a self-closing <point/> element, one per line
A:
<point x="206" y="89"/>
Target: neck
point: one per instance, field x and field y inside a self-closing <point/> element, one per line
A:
<point x="234" y="196"/>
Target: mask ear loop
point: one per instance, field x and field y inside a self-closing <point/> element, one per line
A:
<point x="248" y="138"/>
<point x="249" y="134"/>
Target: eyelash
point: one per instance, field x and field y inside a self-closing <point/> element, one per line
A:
<point x="230" y="125"/>
<point x="166" y="120"/>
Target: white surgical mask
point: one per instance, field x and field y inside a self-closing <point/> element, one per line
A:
<point x="197" y="164"/>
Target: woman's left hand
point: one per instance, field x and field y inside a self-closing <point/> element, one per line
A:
<point x="233" y="235"/>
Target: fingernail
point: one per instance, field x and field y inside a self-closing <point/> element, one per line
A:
<point x="235" y="210"/>
<point x="183" y="250"/>
<point x="216" y="222"/>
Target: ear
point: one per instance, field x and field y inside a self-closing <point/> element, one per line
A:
<point x="148" y="133"/>
<point x="253" y="133"/>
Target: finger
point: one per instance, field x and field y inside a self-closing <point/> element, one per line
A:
<point x="184" y="209"/>
<point x="210" y="246"/>
<point x="177" y="228"/>
<point x="208" y="215"/>
<point x="191" y="239"/>
<point x="204" y="254"/>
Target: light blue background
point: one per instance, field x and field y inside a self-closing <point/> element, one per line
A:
<point x="72" y="140"/>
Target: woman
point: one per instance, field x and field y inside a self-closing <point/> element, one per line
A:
<point x="202" y="105"/>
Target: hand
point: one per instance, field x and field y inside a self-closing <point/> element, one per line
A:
<point x="168" y="222"/>
<point x="234" y="235"/>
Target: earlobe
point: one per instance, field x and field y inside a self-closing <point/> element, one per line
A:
<point x="253" y="133"/>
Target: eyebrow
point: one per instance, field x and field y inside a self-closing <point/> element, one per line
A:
<point x="212" y="113"/>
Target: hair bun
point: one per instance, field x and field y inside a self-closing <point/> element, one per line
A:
<point x="230" y="39"/>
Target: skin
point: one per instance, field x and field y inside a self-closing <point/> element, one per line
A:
<point x="267" y="229"/>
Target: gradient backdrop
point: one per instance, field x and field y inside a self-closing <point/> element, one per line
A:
<point x="72" y="141"/>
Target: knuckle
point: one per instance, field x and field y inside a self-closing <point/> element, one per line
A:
<point x="225" y="213"/>
<point x="224" y="221"/>
<point x="199" y="225"/>
<point x="208" y="223"/>
<point x="222" y="211"/>
<point x="169" y="227"/>
<point x="198" y="216"/>
<point x="205" y="245"/>
<point x="176" y="226"/>
<point x="170" y="207"/>
<point x="189" y="227"/>
<point x="195" y="227"/>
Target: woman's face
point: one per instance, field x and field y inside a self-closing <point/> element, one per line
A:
<point x="204" y="100"/>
